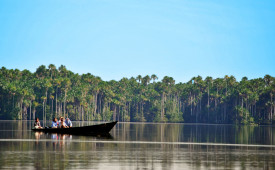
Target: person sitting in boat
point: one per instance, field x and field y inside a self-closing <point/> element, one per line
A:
<point x="68" y="122"/>
<point x="62" y="123"/>
<point x="37" y="124"/>
<point x="59" y="121"/>
<point x="54" y="123"/>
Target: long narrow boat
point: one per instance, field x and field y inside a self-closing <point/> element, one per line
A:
<point x="103" y="128"/>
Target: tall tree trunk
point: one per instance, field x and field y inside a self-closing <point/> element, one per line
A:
<point x="46" y="105"/>
<point x="25" y="113"/>
<point x="79" y="112"/>
<point x="162" y="106"/>
<point x="136" y="104"/>
<point x="270" y="114"/>
<point x="61" y="108"/>
<point x="21" y="109"/>
<point x="247" y="108"/>
<point x="242" y="104"/>
<point x="103" y="112"/>
<point x="56" y="101"/>
<point x="118" y="113"/>
<point x="129" y="111"/>
<point x="114" y="113"/>
<point x="142" y="117"/>
<point x="34" y="110"/>
<point x="13" y="100"/>
<point x="60" y="104"/>
<point x="100" y="109"/>
<point x="87" y="115"/>
<point x="82" y="112"/>
<point x="208" y="106"/>
<point x="200" y="108"/>
<point x="90" y="112"/>
<point x="65" y="102"/>
<point x="52" y="108"/>
<point x="216" y="99"/>
<point x="43" y="111"/>
<point x="191" y="104"/>
<point x="95" y="103"/>
<point x="30" y="118"/>
<point x="273" y="107"/>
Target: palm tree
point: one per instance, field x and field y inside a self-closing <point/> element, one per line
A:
<point x="146" y="80"/>
<point x="52" y="70"/>
<point x="63" y="71"/>
<point x="41" y="72"/>
<point x="52" y="99"/>
<point x="154" y="77"/>
<point x="66" y="84"/>
<point x="139" y="77"/>
<point x="209" y="81"/>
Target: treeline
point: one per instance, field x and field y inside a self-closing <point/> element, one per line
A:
<point x="52" y="92"/>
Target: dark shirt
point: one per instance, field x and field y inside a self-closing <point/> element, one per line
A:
<point x="37" y="123"/>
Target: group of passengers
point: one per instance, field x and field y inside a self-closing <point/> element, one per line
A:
<point x="61" y="123"/>
<point x="55" y="123"/>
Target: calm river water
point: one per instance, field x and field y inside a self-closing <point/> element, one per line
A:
<point x="134" y="146"/>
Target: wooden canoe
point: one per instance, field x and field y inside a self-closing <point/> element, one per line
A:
<point x="103" y="128"/>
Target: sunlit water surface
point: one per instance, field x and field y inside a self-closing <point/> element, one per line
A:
<point x="139" y="146"/>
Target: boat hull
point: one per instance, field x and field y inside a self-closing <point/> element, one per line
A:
<point x="103" y="128"/>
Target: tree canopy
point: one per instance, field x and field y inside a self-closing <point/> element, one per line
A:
<point x="51" y="92"/>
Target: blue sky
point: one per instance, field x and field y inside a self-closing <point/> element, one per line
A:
<point x="115" y="39"/>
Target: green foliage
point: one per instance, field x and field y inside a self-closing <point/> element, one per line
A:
<point x="158" y="118"/>
<point x="98" y="117"/>
<point x="107" y="115"/>
<point x="175" y="117"/>
<point x="52" y="92"/>
<point x="14" y="113"/>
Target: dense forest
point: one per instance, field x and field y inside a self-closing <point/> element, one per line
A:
<point x="51" y="92"/>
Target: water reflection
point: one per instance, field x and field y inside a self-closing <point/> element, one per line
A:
<point x="21" y="148"/>
<point x="229" y="134"/>
<point x="65" y="155"/>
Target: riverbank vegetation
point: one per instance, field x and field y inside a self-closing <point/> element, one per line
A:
<point x="52" y="92"/>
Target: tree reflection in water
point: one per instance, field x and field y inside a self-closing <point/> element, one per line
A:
<point x="139" y="146"/>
